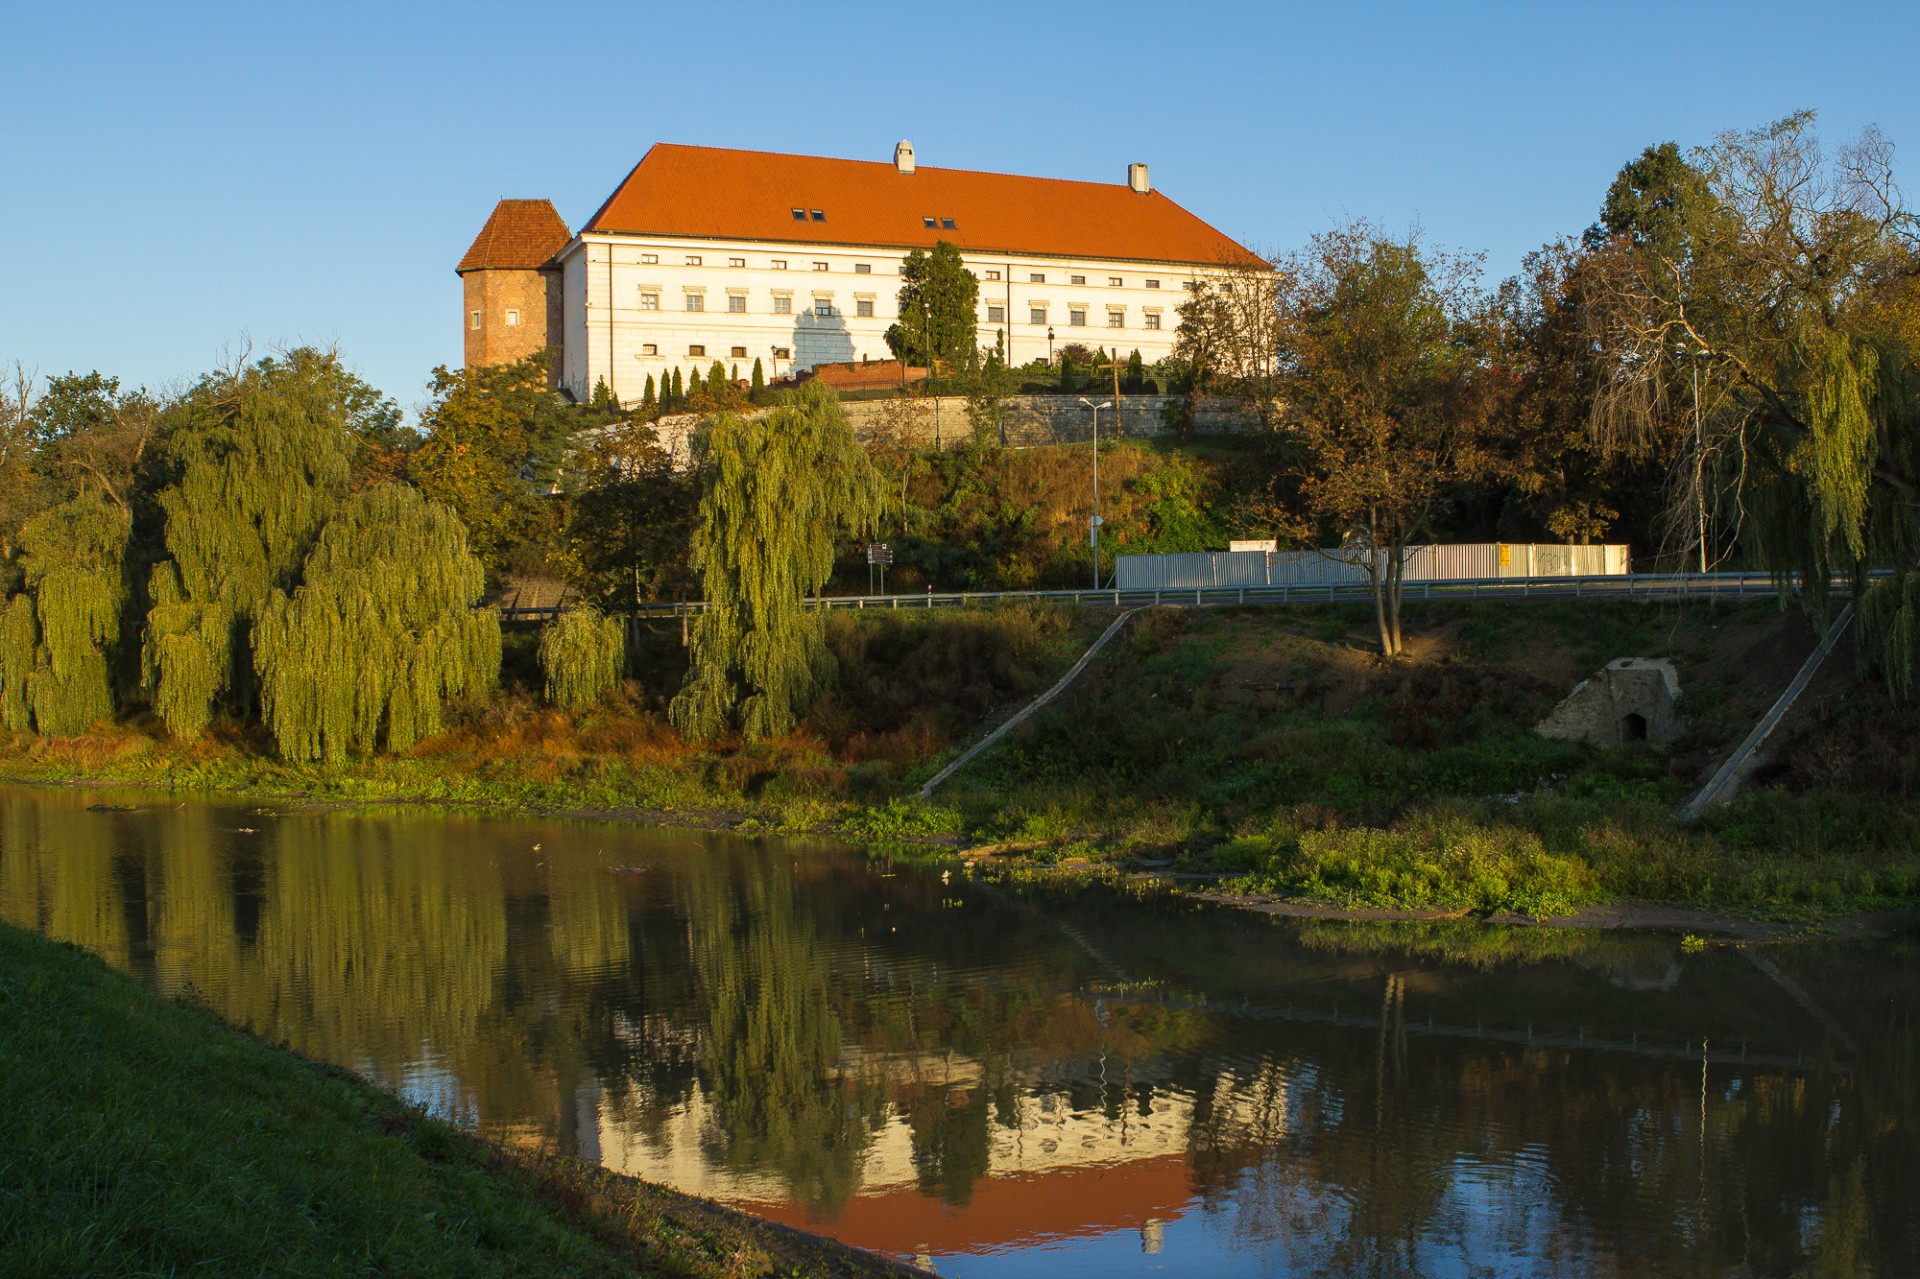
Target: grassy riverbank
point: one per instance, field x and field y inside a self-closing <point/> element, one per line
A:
<point x="142" y="1137"/>
<point x="1265" y="745"/>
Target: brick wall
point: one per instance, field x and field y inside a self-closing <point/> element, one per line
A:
<point x="533" y="295"/>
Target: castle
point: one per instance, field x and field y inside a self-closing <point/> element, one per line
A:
<point x="704" y="254"/>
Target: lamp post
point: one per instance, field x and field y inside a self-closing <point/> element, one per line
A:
<point x="1093" y="525"/>
<point x="1049" y="346"/>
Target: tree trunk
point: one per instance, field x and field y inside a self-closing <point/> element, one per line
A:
<point x="1377" y="578"/>
<point x="1396" y="576"/>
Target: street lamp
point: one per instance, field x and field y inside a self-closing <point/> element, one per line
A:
<point x="1093" y="525"/>
<point x="1049" y="346"/>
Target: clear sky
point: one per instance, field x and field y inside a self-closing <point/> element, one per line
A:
<point x="179" y="178"/>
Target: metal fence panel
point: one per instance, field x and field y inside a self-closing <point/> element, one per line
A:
<point x="1454" y="562"/>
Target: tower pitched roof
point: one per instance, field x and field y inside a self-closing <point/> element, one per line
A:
<point x="518" y="235"/>
<point x="760" y="195"/>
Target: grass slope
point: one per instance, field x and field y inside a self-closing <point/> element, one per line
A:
<point x="142" y="1137"/>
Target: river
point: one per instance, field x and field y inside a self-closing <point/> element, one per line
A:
<point x="1031" y="1080"/>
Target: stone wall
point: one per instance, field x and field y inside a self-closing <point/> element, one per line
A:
<point x="533" y="295"/>
<point x="1031" y="420"/>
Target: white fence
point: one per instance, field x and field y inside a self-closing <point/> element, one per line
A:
<point x="1481" y="561"/>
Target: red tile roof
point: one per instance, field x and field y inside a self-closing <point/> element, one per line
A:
<point x="519" y="235"/>
<point x="751" y="195"/>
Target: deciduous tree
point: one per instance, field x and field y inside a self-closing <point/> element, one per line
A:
<point x="938" y="304"/>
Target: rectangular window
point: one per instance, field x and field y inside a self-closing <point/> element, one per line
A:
<point x="863" y="307"/>
<point x="1189" y="285"/>
<point x="736" y="261"/>
<point x="696" y="302"/>
<point x="649" y="259"/>
<point x="696" y="350"/>
<point x="1037" y="315"/>
<point x="649" y="301"/>
<point x="1076" y="316"/>
<point x="783" y="353"/>
<point x="513" y="319"/>
<point x="1076" y="279"/>
<point x="863" y="268"/>
<point x="996" y="315"/>
<point x="823" y="307"/>
<point x="1153" y="284"/>
<point x="1116" y="319"/>
<point x="693" y="259"/>
<point x="818" y="216"/>
<point x="649" y="348"/>
<point x="779" y="264"/>
<point x="929" y="223"/>
<point x="1038" y="277"/>
<point x="1115" y="282"/>
<point x="946" y="224"/>
<point x="993" y="275"/>
<point x="736" y="305"/>
<point x="782" y="304"/>
<point x="1153" y="319"/>
<point x="473" y="321"/>
<point x="799" y="215"/>
<point x="739" y="352"/>
<point x="819" y="266"/>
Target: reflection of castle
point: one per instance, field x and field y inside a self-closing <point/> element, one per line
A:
<point x="704" y="254"/>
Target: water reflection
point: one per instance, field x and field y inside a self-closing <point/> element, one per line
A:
<point x="1029" y="1082"/>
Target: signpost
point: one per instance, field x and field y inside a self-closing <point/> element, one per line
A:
<point x="879" y="555"/>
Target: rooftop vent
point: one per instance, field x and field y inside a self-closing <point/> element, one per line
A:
<point x="1137" y="178"/>
<point x="903" y="156"/>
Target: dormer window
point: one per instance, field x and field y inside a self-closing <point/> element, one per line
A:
<point x="819" y="215"/>
<point x="946" y="224"/>
<point x="930" y="223"/>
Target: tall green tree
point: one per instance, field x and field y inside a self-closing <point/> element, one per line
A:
<point x="56" y="638"/>
<point x="716" y="378"/>
<point x="695" y="386"/>
<point x="583" y="654"/>
<point x="384" y="626"/>
<point x="261" y="459"/>
<point x="938" y="302"/>
<point x="759" y="377"/>
<point x="679" y="394"/>
<point x="780" y="490"/>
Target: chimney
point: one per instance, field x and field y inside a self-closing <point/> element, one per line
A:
<point x="903" y="156"/>
<point x="1137" y="179"/>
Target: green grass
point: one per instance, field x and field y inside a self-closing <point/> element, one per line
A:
<point x="144" y="1137"/>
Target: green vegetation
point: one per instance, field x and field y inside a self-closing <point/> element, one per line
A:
<point x="582" y="655"/>
<point x="144" y="1137"/>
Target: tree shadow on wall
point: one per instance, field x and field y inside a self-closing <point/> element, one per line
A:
<point x="820" y="336"/>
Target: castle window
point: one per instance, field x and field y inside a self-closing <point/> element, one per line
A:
<point x="819" y="216"/>
<point x="649" y="259"/>
<point x="993" y="275"/>
<point x="696" y="350"/>
<point x="696" y="302"/>
<point x="739" y="352"/>
<point x="1116" y="282"/>
<point x="513" y="319"/>
<point x="782" y="353"/>
<point x="819" y="266"/>
<point x="736" y="261"/>
<point x="1076" y="279"/>
<point x="1153" y="284"/>
<point x="863" y="307"/>
<point x="778" y="264"/>
<point x="1037" y="277"/>
<point x="1116" y="319"/>
<point x="782" y="304"/>
<point x="1076" y="316"/>
<point x="473" y="321"/>
<point x="693" y="259"/>
<point x="649" y="348"/>
<point x="996" y="315"/>
<point x="649" y="301"/>
<point x="1153" y="319"/>
<point x="863" y="268"/>
<point x="1037" y="315"/>
<point x="736" y="305"/>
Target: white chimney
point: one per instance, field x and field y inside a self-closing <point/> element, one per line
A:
<point x="903" y="156"/>
<point x="1137" y="178"/>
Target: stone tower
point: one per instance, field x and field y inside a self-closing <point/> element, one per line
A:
<point x="511" y="286"/>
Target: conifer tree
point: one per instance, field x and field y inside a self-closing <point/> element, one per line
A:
<point x="781" y="489"/>
<point x="647" y="400"/>
<point x="679" y="395"/>
<point x="759" y="377"/>
<point x="582" y="655"/>
<point x="262" y="459"/>
<point x="383" y="628"/>
<point x="716" y="379"/>
<point x="55" y="638"/>
<point x="694" y="385"/>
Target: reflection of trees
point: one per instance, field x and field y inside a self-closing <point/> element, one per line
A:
<point x="772" y="1041"/>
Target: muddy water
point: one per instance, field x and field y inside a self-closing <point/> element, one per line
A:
<point x="1007" y="1081"/>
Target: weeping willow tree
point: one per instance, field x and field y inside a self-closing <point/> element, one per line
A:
<point x="1792" y="289"/>
<point x="384" y="627"/>
<point x="56" y="636"/>
<point x="582" y="654"/>
<point x="262" y="459"/>
<point x="779" y="490"/>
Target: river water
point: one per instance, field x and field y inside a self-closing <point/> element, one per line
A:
<point x="1030" y="1080"/>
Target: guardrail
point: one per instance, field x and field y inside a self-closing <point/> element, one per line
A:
<point x="1618" y="586"/>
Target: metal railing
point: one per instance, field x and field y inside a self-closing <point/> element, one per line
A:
<point x="1618" y="586"/>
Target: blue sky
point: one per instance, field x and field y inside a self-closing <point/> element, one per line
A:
<point x="179" y="178"/>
